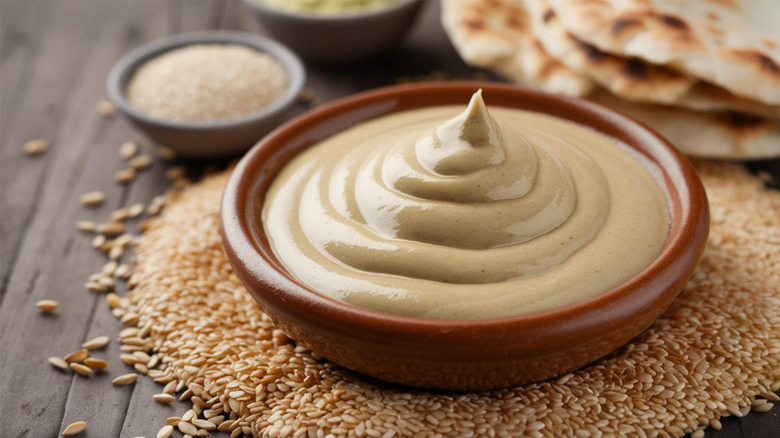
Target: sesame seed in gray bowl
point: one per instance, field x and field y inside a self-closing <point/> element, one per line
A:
<point x="207" y="94"/>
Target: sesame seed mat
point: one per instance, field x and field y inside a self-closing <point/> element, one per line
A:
<point x="715" y="352"/>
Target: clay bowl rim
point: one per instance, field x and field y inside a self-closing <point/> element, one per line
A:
<point x="239" y="233"/>
<point x="123" y="70"/>
<point x="330" y="18"/>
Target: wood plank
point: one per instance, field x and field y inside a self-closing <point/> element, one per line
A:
<point x="54" y="261"/>
<point x="52" y="75"/>
<point x="22" y="26"/>
<point x="50" y="263"/>
<point x="95" y="400"/>
<point x="756" y="425"/>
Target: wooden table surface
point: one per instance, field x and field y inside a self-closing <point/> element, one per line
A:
<point x="55" y="58"/>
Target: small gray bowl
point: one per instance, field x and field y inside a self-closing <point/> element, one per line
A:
<point x="213" y="138"/>
<point x="338" y="38"/>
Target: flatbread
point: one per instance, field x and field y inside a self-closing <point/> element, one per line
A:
<point x="707" y="97"/>
<point x="735" y="45"/>
<point x="486" y="36"/>
<point x="497" y="34"/>
<point x="629" y="78"/>
<point x="725" y="135"/>
<point x="633" y="78"/>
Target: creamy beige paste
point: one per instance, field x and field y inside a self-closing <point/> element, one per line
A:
<point x="430" y="213"/>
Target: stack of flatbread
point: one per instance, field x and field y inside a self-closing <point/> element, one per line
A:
<point x="704" y="73"/>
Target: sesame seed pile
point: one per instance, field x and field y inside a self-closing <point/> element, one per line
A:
<point x="207" y="82"/>
<point x="715" y="352"/>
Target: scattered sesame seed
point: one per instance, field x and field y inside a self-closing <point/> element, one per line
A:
<point x="74" y="428"/>
<point x="125" y="379"/>
<point x="140" y="162"/>
<point x="111" y="228"/>
<point x="59" y="363"/>
<point x="81" y="369"/>
<point x="116" y="253"/>
<point x="86" y="226"/>
<point x="107" y="282"/>
<point x="130" y="318"/>
<point x="166" y="153"/>
<point x="109" y="268"/>
<point x="94" y="286"/>
<point x="47" y="306"/>
<point x="123" y="240"/>
<point x="98" y="241"/>
<point x="205" y="424"/>
<point x="77" y="356"/>
<point x="164" y="398"/>
<point x="96" y="343"/>
<point x="36" y="147"/>
<point x="135" y="210"/>
<point x="165" y="432"/>
<point x="187" y="428"/>
<point x="122" y="272"/>
<point x="105" y="108"/>
<point x="120" y="214"/>
<point x="128" y="150"/>
<point x="96" y="364"/>
<point x="125" y="176"/>
<point x="93" y="199"/>
<point x="113" y="300"/>
<point x="170" y="387"/>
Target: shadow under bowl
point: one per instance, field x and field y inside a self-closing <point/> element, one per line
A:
<point x="197" y="139"/>
<point x="461" y="354"/>
<point x="338" y="38"/>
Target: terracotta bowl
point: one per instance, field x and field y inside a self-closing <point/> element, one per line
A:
<point x="460" y="354"/>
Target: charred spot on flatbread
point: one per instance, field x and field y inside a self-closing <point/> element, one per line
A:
<point x="743" y="121"/>
<point x="473" y="25"/>
<point x="690" y="35"/>
<point x="743" y="128"/>
<point x="761" y="62"/>
<point x="635" y="68"/>
<point x="590" y="51"/>
<point x="549" y="14"/>
<point x="622" y="26"/>
<point x="673" y="22"/>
